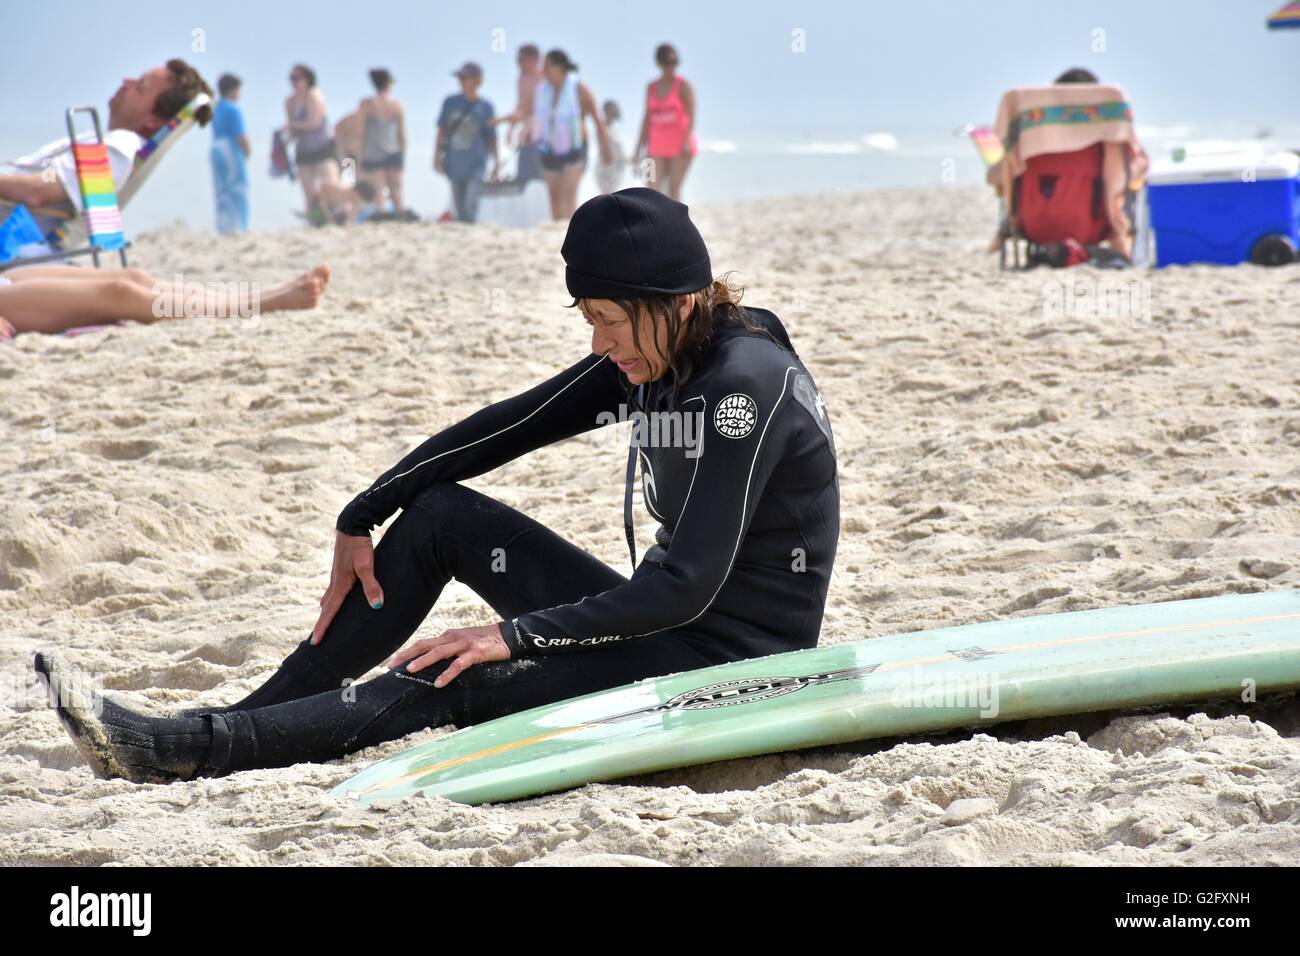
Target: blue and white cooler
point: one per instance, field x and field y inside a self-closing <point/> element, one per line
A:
<point x="1226" y="208"/>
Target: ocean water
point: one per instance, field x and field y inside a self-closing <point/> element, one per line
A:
<point x="742" y="167"/>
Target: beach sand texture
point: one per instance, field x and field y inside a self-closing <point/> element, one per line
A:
<point x="170" y="491"/>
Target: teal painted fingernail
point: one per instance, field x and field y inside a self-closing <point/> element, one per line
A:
<point x="377" y="604"/>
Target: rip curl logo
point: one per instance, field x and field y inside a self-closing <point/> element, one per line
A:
<point x="564" y="641"/>
<point x="735" y="416"/>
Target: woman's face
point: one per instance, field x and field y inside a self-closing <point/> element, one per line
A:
<point x="299" y="81"/>
<point x="611" y="335"/>
<point x="555" y="73"/>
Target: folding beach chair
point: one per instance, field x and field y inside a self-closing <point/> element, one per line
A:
<point x="72" y="232"/>
<point x="158" y="145"/>
<point x="1066" y="151"/>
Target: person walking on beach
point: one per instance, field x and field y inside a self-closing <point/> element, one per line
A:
<point x="561" y="106"/>
<point x="315" y="153"/>
<point x="747" y="481"/>
<point x="230" y="149"/>
<point x="519" y="122"/>
<point x="668" y="129"/>
<point x="610" y="175"/>
<point x="384" y="140"/>
<point x="466" y="138"/>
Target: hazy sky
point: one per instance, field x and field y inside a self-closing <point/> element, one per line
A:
<point x="896" y="66"/>
<point x="772" y="119"/>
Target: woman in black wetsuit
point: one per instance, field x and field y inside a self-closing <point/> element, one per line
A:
<point x="738" y="466"/>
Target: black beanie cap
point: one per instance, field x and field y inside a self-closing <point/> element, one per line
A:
<point x="634" y="243"/>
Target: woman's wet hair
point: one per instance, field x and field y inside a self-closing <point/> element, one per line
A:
<point x="381" y="78"/>
<point x="665" y="53"/>
<point x="308" y="74"/>
<point x="1077" y="74"/>
<point x="561" y="59"/>
<point x="714" y="306"/>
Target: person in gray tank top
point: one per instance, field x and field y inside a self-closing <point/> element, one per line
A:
<point x="384" y="143"/>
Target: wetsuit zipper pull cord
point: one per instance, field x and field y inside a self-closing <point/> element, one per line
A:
<point x="631" y="479"/>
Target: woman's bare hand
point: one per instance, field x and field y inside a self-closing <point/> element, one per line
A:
<point x="469" y="645"/>
<point x="354" y="560"/>
<point x="7" y="331"/>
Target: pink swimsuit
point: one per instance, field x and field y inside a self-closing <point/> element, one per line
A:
<point x="668" y="123"/>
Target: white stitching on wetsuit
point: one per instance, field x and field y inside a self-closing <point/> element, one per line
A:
<point x="649" y="472"/>
<point x="414" y="468"/>
<point x="703" y="417"/>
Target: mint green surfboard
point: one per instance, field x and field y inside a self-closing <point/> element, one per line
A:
<point x="948" y="678"/>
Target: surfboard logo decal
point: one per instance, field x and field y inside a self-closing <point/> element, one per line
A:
<point x="971" y="653"/>
<point x="735" y="416"/>
<point x="746" y="691"/>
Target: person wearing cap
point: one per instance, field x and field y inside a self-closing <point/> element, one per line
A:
<point x="738" y="468"/>
<point x="466" y="137"/>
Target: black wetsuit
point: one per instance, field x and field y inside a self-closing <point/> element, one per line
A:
<point x="740" y="471"/>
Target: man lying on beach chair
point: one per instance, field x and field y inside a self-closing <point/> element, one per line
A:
<point x="143" y="118"/>
<point x="1070" y="168"/>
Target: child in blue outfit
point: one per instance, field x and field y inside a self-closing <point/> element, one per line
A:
<point x="230" y="150"/>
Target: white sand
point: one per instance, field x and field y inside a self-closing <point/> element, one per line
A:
<point x="170" y="491"/>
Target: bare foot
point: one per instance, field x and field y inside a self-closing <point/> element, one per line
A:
<point x="303" y="292"/>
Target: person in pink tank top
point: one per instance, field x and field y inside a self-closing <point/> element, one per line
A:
<point x="668" y="130"/>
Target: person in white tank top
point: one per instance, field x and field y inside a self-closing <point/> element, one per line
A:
<point x="561" y="106"/>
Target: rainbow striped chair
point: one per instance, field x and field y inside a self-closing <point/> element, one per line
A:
<point x="99" y="210"/>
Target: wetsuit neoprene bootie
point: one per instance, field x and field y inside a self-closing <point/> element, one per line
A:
<point x="119" y="742"/>
<point x="308" y="670"/>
